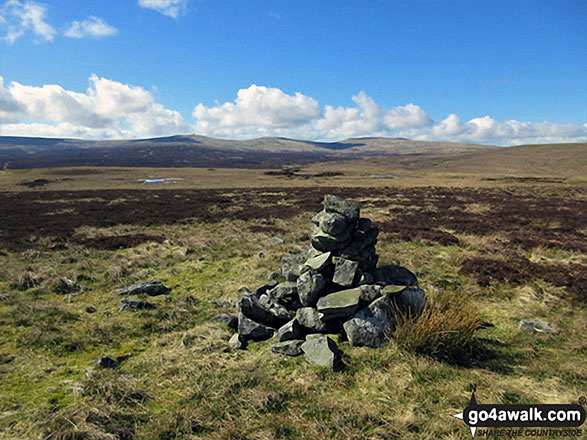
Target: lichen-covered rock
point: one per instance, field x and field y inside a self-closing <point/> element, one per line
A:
<point x="151" y="288"/>
<point x="289" y="331"/>
<point x="128" y="303"/>
<point x="320" y="262"/>
<point x="339" y="304"/>
<point x="373" y="325"/>
<point x="284" y="291"/>
<point x="351" y="210"/>
<point x="369" y="293"/>
<point x="325" y="242"/>
<point x="535" y="326"/>
<point x="333" y="223"/>
<point x="345" y="272"/>
<point x="309" y="286"/>
<point x="311" y="319"/>
<point x="289" y="348"/>
<point x="291" y="266"/>
<point x="324" y="352"/>
<point x="253" y="331"/>
<point x="264" y="310"/>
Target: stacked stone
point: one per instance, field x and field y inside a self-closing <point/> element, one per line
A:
<point x="334" y="289"/>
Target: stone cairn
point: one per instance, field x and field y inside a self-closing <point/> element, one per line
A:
<point x="335" y="288"/>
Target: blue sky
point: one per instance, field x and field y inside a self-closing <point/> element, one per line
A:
<point x="485" y="71"/>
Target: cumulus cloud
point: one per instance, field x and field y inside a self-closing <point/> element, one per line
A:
<point x="171" y="8"/>
<point x="93" y="27"/>
<point x="261" y="111"/>
<point x="108" y="109"/>
<point x="18" y="18"/>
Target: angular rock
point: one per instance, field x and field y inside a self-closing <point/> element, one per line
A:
<point x="369" y="293"/>
<point x="289" y="331"/>
<point x="127" y="303"/>
<point x="309" y="285"/>
<point x="237" y="342"/>
<point x="264" y="310"/>
<point x="345" y="272"/>
<point x="351" y="210"/>
<point x="289" y="348"/>
<point x="333" y="223"/>
<point x="311" y="319"/>
<point x="320" y="262"/>
<point x="290" y="266"/>
<point x="323" y="351"/>
<point x="251" y="330"/>
<point x="276" y="241"/>
<point x="226" y="318"/>
<point x="339" y="304"/>
<point x="105" y="362"/>
<point x="366" y="278"/>
<point x="410" y="301"/>
<point x="284" y="291"/>
<point x="373" y="325"/>
<point x="325" y="242"/>
<point x="151" y="288"/>
<point x="396" y="275"/>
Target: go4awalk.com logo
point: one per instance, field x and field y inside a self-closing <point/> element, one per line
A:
<point x="510" y="421"/>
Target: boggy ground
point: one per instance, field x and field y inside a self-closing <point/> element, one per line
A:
<point x="495" y="254"/>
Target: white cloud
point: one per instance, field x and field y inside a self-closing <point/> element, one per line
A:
<point x="108" y="109"/>
<point x="171" y="8"/>
<point x="257" y="111"/>
<point x="17" y="18"/>
<point x="93" y="27"/>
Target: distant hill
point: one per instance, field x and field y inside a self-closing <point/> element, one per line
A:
<point x="564" y="160"/>
<point x="200" y="151"/>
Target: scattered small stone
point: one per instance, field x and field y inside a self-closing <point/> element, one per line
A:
<point x="261" y="254"/>
<point x="66" y="285"/>
<point x="105" y="362"/>
<point x="151" y="288"/>
<point x="276" y="241"/>
<point x="226" y="318"/>
<point x="535" y="326"/>
<point x="289" y="348"/>
<point x="221" y="303"/>
<point x="127" y="303"/>
<point x="91" y="309"/>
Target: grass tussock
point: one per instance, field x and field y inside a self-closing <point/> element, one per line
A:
<point x="445" y="329"/>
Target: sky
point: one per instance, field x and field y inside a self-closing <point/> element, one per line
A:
<point x="500" y="72"/>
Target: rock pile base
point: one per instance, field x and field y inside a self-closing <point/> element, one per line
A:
<point x="334" y="289"/>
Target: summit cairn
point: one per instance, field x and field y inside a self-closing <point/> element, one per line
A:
<point x="334" y="289"/>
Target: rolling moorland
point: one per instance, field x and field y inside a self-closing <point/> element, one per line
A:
<point x="495" y="235"/>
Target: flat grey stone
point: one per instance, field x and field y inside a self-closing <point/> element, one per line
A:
<point x="339" y="304"/>
<point x="535" y="326"/>
<point x="276" y="241"/>
<point x="351" y="210"/>
<point x="311" y="319"/>
<point x="323" y="352"/>
<point x="289" y="331"/>
<point x="309" y="285"/>
<point x="288" y="348"/>
<point x="345" y="272"/>
<point x="284" y="291"/>
<point x="319" y="262"/>
<point x="151" y="288"/>
<point x="251" y="330"/>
